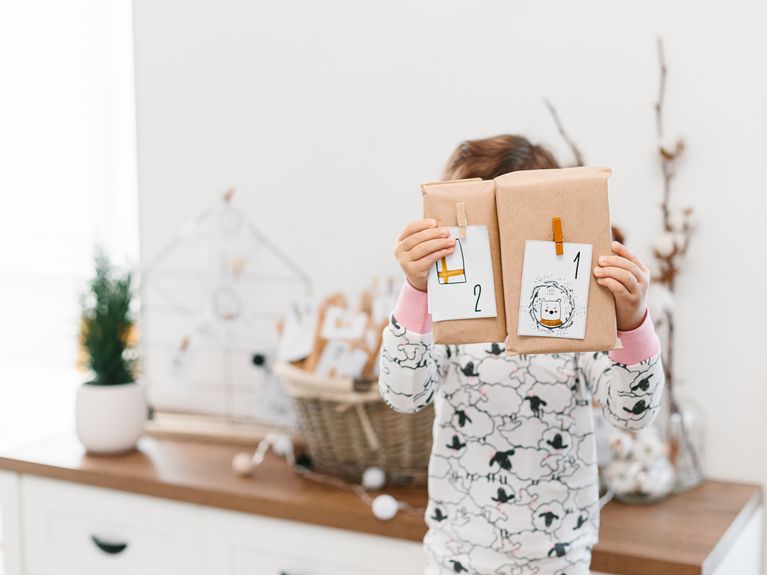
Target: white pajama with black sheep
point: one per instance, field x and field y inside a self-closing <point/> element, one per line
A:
<point x="513" y="486"/>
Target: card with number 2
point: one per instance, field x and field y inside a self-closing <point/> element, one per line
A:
<point x="461" y="285"/>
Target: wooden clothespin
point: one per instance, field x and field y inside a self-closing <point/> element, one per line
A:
<point x="556" y="224"/>
<point x="460" y="214"/>
<point x="229" y="194"/>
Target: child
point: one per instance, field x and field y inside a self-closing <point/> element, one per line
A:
<point x="513" y="485"/>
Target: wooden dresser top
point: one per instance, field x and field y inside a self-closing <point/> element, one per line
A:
<point x="683" y="535"/>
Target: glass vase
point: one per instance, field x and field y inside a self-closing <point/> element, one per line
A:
<point x="639" y="471"/>
<point x="685" y="438"/>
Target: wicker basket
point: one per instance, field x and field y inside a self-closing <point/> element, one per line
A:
<point x="347" y="430"/>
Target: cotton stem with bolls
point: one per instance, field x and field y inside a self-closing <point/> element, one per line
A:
<point x="677" y="230"/>
<point x="678" y="225"/>
<point x="672" y="246"/>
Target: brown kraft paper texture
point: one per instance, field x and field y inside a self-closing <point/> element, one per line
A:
<point x="527" y="201"/>
<point x="478" y="197"/>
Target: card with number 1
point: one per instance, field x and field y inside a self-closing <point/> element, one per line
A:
<point x="555" y="290"/>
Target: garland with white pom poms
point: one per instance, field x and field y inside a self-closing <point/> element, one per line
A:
<point x="384" y="507"/>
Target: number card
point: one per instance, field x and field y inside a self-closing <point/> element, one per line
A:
<point x="461" y="285"/>
<point x="342" y="323"/>
<point x="298" y="332"/>
<point x="340" y="359"/>
<point x="554" y="297"/>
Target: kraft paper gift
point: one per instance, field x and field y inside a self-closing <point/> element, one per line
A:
<point x="520" y="206"/>
<point x="478" y="198"/>
<point x="527" y="201"/>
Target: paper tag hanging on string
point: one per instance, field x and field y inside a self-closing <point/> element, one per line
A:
<point x="181" y="368"/>
<point x="555" y="290"/>
<point x="461" y="285"/>
<point x="382" y="306"/>
<point x="341" y="359"/>
<point x="231" y="232"/>
<point x="298" y="332"/>
<point x="342" y="323"/>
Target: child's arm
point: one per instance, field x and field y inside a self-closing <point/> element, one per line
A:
<point x="627" y="383"/>
<point x="410" y="364"/>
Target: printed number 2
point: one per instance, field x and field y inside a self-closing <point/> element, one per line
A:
<point x="477" y="292"/>
<point x="577" y="261"/>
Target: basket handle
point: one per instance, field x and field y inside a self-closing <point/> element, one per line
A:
<point x="367" y="427"/>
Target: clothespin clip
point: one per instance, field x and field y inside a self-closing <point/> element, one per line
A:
<point x="460" y="214"/>
<point x="229" y="194"/>
<point x="556" y="224"/>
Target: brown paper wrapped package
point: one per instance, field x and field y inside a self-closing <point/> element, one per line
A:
<point x="527" y="201"/>
<point x="520" y="206"/>
<point x="478" y="197"/>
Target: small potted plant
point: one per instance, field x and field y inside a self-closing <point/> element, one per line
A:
<point x="110" y="408"/>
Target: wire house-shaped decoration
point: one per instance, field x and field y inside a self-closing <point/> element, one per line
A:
<point x="210" y="302"/>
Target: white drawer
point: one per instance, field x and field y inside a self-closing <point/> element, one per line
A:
<point x="239" y="544"/>
<point x="73" y="529"/>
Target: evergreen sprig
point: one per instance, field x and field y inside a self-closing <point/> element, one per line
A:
<point x="106" y="323"/>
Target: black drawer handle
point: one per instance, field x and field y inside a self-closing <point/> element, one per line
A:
<point x="109" y="548"/>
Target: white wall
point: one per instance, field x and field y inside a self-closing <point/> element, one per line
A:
<point x="328" y="116"/>
<point x="67" y="180"/>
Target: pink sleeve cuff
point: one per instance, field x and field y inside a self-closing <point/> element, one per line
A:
<point x="638" y="344"/>
<point x="412" y="309"/>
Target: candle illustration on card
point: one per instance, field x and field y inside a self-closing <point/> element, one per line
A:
<point x="554" y="296"/>
<point x="461" y="285"/>
<point x="452" y="268"/>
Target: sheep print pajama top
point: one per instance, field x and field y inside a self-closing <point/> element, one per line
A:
<point x="513" y="483"/>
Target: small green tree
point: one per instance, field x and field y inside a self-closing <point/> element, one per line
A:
<point x="106" y="326"/>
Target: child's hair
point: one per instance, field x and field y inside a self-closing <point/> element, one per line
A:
<point x="490" y="157"/>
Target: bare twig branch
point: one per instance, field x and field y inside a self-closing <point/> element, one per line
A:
<point x="573" y="147"/>
<point x="661" y="90"/>
<point x="666" y="156"/>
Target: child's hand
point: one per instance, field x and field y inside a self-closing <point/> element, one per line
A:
<point x="419" y="246"/>
<point x="627" y="278"/>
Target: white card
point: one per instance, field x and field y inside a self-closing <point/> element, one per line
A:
<point x="298" y="332"/>
<point x="382" y="306"/>
<point x="461" y="285"/>
<point x="339" y="359"/>
<point x="555" y="290"/>
<point x="343" y="323"/>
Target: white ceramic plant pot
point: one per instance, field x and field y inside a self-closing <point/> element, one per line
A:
<point x="110" y="418"/>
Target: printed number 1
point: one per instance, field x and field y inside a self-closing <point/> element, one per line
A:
<point x="477" y="292"/>
<point x="577" y="261"/>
